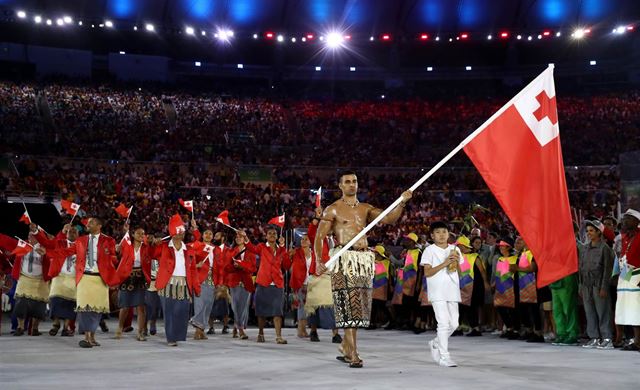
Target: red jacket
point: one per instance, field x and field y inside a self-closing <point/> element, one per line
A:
<point x="243" y="273"/>
<point x="60" y="242"/>
<point x="271" y="265"/>
<point x="107" y="258"/>
<point x="167" y="262"/>
<point x="221" y="258"/>
<point x="128" y="256"/>
<point x="312" y="230"/>
<point x="631" y="248"/>
<point x="17" y="267"/>
<point x="299" y="271"/>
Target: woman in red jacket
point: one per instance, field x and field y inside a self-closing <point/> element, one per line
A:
<point x="240" y="265"/>
<point x="135" y="268"/>
<point x="177" y="281"/>
<point x="270" y="281"/>
<point x="301" y="260"/>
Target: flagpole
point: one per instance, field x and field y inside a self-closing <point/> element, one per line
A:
<point x="332" y="261"/>
<point x="74" y="215"/>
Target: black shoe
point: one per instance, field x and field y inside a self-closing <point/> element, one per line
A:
<point x="474" y="333"/>
<point x="458" y="332"/>
<point x="18" y="332"/>
<point x="225" y="330"/>
<point x="85" y="344"/>
<point x="128" y="329"/>
<point x="628" y="347"/>
<point x="66" y="333"/>
<point x="371" y="327"/>
<point x="211" y="331"/>
<point x="314" y="337"/>
<point x="153" y="331"/>
<point x="103" y="327"/>
<point x="525" y="336"/>
<point x="535" y="338"/>
<point x="418" y="330"/>
<point x="337" y="339"/>
<point x="513" y="336"/>
<point x="390" y="326"/>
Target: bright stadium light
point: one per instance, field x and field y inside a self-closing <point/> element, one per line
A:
<point x="334" y="40"/>
<point x="203" y="33"/>
<point x="149" y="27"/>
<point x="108" y="23"/>
<point x="352" y="69"/>
<point x="429" y="68"/>
<point x="189" y="30"/>
<point x="280" y="38"/>
<point x="318" y="68"/>
<point x="49" y="22"/>
<point x="67" y="19"/>
<point x="37" y="19"/>
<point x="60" y="22"/>
<point x="21" y="14"/>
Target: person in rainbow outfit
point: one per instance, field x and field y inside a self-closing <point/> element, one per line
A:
<point x="504" y="298"/>
<point x="473" y="282"/>
<point x="380" y="291"/>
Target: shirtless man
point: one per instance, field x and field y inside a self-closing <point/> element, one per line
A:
<point x="352" y="276"/>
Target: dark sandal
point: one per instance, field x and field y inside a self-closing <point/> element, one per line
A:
<point x="343" y="359"/>
<point x="357" y="364"/>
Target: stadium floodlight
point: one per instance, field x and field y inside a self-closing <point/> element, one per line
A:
<point x="489" y="37"/>
<point x="240" y="66"/>
<point x="592" y="63"/>
<point x="429" y="68"/>
<point x="352" y="69"/>
<point x="280" y="38"/>
<point x="37" y="19"/>
<point x="255" y="36"/>
<point x="293" y="39"/>
<point x="189" y="30"/>
<point x="108" y="23"/>
<point x="224" y="35"/>
<point x="49" y="22"/>
<point x="468" y="67"/>
<point x="334" y="40"/>
<point x="198" y="63"/>
<point x="318" y="68"/>
<point x="149" y="27"/>
<point x="21" y="14"/>
<point x="580" y="33"/>
<point x="60" y="22"/>
<point x="203" y="33"/>
<point x="67" y="19"/>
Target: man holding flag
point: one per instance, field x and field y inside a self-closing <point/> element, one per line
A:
<point x="351" y="280"/>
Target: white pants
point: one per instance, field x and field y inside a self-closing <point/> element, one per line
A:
<point x="447" y="317"/>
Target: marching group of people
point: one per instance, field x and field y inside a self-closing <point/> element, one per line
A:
<point x="476" y="276"/>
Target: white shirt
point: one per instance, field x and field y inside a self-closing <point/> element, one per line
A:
<point x="154" y="268"/>
<point x="32" y="263"/>
<point x="69" y="265"/>
<point x="136" y="257"/>
<point x="87" y="268"/>
<point x="308" y="258"/>
<point x="444" y="285"/>
<point x="180" y="269"/>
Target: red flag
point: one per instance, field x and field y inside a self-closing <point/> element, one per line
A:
<point x="278" y="221"/>
<point x="22" y="248"/>
<point x="223" y="218"/>
<point x="123" y="210"/>
<point x="319" y="197"/>
<point x="25" y="218"/>
<point x="187" y="204"/>
<point x="518" y="153"/>
<point x="70" y="207"/>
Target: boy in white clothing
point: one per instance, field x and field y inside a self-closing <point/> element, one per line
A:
<point x="441" y="264"/>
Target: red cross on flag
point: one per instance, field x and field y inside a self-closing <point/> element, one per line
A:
<point x="187" y="204"/>
<point x="278" y="221"/>
<point x="70" y="207"/>
<point x="518" y="153"/>
<point x="22" y="248"/>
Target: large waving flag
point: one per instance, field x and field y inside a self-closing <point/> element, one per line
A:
<point x="521" y="144"/>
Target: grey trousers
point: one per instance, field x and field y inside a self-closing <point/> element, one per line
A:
<point x="598" y="313"/>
